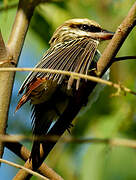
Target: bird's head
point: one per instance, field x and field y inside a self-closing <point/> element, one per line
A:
<point x="79" y="28"/>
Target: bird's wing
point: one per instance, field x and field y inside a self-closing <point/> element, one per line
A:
<point x="74" y="56"/>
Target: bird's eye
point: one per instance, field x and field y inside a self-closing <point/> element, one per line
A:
<point x="85" y="27"/>
<point x="91" y="28"/>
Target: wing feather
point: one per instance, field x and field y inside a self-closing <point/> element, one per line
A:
<point x="75" y="56"/>
<point x="84" y="62"/>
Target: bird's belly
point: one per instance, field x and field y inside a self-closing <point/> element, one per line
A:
<point x="43" y="92"/>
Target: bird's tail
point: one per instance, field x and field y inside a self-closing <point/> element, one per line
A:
<point x="42" y="114"/>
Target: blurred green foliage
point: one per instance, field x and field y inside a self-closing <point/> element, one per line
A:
<point x="108" y="117"/>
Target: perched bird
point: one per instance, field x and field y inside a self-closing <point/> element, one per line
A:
<point x="73" y="47"/>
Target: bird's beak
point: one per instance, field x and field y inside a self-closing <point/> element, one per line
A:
<point x="105" y="35"/>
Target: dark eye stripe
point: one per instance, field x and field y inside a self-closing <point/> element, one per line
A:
<point x="95" y="29"/>
<point x="91" y="28"/>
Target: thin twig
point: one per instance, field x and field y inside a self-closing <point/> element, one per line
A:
<point x="124" y="58"/>
<point x="74" y="75"/>
<point x="70" y="139"/>
<point x="22" y="167"/>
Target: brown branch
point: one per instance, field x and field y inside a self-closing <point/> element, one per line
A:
<point x="24" y="154"/>
<point x="14" y="49"/>
<point x="3" y="56"/>
<point x="3" y="103"/>
<point x="20" y="27"/>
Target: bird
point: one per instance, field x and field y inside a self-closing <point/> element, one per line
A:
<point x="74" y="48"/>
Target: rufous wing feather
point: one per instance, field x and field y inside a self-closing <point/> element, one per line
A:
<point x="32" y="86"/>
